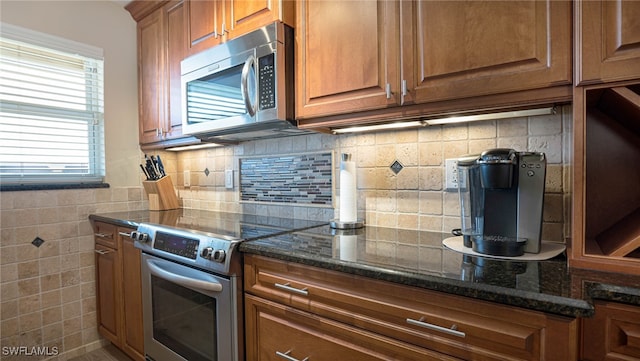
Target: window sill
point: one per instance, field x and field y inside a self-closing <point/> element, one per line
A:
<point x="52" y="186"/>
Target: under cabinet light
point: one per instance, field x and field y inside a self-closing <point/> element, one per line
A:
<point x="194" y="147"/>
<point x="446" y="120"/>
<point x="491" y="116"/>
<point x="385" y="126"/>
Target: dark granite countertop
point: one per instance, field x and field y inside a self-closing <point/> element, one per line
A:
<point x="418" y="258"/>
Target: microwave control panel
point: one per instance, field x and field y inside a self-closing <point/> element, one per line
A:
<point x="267" y="82"/>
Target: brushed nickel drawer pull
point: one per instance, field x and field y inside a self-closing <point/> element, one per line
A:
<point x="451" y="331"/>
<point x="125" y="234"/>
<point x="103" y="251"/>
<point x="287" y="287"/>
<point x="285" y="355"/>
<point x="103" y="235"/>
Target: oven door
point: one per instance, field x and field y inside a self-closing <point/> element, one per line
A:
<point x="220" y="95"/>
<point x="188" y="314"/>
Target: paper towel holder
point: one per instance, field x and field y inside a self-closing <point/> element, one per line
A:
<point x="336" y="224"/>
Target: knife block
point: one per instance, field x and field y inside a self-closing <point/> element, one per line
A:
<point x="162" y="195"/>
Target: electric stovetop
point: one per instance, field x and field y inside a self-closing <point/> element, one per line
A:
<point x="229" y="225"/>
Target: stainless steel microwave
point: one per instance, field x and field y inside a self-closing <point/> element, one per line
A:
<point x="241" y="89"/>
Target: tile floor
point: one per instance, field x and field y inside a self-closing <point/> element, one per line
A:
<point x="107" y="353"/>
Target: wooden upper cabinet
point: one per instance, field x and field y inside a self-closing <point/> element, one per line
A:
<point x="607" y="41"/>
<point x="161" y="48"/>
<point x="176" y="51"/>
<point x="440" y="56"/>
<point x="347" y="56"/>
<point x="151" y="77"/>
<point x="204" y="22"/>
<point x="248" y="15"/>
<point x="474" y="48"/>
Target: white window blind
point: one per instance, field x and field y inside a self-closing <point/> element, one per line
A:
<point x="51" y="109"/>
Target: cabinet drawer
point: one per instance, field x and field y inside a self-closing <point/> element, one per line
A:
<point x="105" y="234"/>
<point x="457" y="326"/>
<point x="613" y="333"/>
<point x="277" y="332"/>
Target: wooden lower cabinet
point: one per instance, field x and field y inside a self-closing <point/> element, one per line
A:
<point x="313" y="306"/>
<point x="613" y="333"/>
<point x="280" y="332"/>
<point x="118" y="289"/>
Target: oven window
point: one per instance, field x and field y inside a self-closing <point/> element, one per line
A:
<point x="184" y="320"/>
<point x="217" y="96"/>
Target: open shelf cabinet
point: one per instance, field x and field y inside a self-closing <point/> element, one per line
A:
<point x="606" y="178"/>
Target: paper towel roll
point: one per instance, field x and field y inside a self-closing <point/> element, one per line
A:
<point x="348" y="197"/>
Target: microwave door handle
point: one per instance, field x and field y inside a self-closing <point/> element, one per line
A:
<point x="205" y="287"/>
<point x="251" y="108"/>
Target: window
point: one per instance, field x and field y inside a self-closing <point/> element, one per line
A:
<point x="51" y="110"/>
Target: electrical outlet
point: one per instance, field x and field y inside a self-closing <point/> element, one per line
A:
<point x="228" y="178"/>
<point x="451" y="174"/>
<point x="187" y="178"/>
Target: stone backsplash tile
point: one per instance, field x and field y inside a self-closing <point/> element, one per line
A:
<point x="47" y="293"/>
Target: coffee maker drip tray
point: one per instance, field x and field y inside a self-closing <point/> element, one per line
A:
<point x="548" y="250"/>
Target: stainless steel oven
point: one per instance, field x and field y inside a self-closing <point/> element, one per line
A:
<point x="192" y="281"/>
<point x="188" y="313"/>
<point x="190" y="295"/>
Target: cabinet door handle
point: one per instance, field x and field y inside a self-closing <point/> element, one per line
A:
<point x="404" y="88"/>
<point x="286" y="287"/>
<point x="103" y="251"/>
<point x="103" y="235"/>
<point x="450" y="331"/>
<point x="387" y="89"/>
<point x="125" y="234"/>
<point x="285" y="355"/>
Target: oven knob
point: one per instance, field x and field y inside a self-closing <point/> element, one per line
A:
<point x="207" y="252"/>
<point x="139" y="236"/>
<point x="219" y="255"/>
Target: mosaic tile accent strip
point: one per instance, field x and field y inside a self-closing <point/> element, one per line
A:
<point x="299" y="179"/>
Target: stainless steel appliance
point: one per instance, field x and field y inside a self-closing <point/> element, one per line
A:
<point x="501" y="201"/>
<point x="241" y="89"/>
<point x="192" y="282"/>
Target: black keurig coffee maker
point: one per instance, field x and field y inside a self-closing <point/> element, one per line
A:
<point x="501" y="201"/>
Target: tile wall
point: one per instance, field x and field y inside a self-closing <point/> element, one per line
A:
<point x="47" y="293"/>
<point x="414" y="198"/>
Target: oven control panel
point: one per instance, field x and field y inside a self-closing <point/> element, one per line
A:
<point x="176" y="244"/>
<point x="190" y="247"/>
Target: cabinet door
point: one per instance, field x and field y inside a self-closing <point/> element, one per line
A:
<point x="607" y="41"/>
<point x="474" y="48"/>
<point x="133" y="333"/>
<point x="276" y="332"/>
<point x="205" y="20"/>
<point x="346" y="56"/>
<point x="176" y="51"/>
<point x="613" y="333"/>
<point x="248" y="15"/>
<point x="108" y="292"/>
<point x="151" y="77"/>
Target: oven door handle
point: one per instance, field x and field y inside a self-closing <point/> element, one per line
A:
<point x="205" y="287"/>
